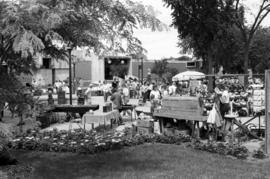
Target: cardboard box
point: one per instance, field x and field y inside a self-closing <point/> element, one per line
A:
<point x="168" y="131"/>
<point x="145" y="130"/>
<point x="144" y="123"/>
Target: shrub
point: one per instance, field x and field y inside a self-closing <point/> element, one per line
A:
<point x="259" y="154"/>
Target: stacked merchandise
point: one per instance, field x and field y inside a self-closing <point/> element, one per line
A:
<point x="258" y="103"/>
<point x="240" y="103"/>
<point x="145" y="124"/>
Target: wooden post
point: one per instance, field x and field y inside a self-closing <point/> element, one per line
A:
<point x="267" y="111"/>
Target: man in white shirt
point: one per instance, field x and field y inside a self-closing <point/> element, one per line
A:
<point x="155" y="97"/>
<point x="125" y="94"/>
<point x="88" y="94"/>
<point x="106" y="90"/>
<point x="224" y="98"/>
<point x="172" y="89"/>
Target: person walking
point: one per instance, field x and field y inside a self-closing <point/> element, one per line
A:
<point x="155" y="98"/>
<point x="117" y="102"/>
<point x="88" y="94"/>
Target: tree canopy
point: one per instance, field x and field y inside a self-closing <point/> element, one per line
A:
<point x="44" y="26"/>
<point x="248" y="31"/>
<point x="259" y="53"/>
<point x="200" y="24"/>
<point x="162" y="70"/>
<point x="48" y="27"/>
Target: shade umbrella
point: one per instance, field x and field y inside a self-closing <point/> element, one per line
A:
<point x="188" y="75"/>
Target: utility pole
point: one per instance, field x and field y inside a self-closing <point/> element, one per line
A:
<point x="142" y="68"/>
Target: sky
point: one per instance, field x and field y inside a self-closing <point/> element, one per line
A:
<point x="159" y="44"/>
<point x="164" y="44"/>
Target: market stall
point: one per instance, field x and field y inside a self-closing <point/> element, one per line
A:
<point x="184" y="112"/>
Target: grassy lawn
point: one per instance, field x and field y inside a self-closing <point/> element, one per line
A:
<point x="145" y="161"/>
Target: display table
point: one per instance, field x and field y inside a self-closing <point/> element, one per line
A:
<point x="99" y="117"/>
<point x="81" y="109"/>
<point x="143" y="109"/>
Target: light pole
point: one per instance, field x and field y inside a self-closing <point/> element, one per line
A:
<point x="70" y="76"/>
<point x="142" y="68"/>
<point x="74" y="78"/>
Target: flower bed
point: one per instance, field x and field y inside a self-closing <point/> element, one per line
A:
<point x="91" y="142"/>
<point x="237" y="151"/>
<point x="81" y="141"/>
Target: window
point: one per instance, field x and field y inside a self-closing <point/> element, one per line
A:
<point x="46" y="63"/>
<point x="191" y="64"/>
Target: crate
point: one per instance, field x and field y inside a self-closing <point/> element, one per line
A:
<point x="143" y="123"/>
<point x="184" y="132"/>
<point x="144" y="130"/>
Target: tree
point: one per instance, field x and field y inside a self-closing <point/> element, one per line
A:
<point x="184" y="58"/>
<point x="169" y="74"/>
<point x="42" y="26"/>
<point x="259" y="54"/>
<point x="162" y="70"/>
<point x="229" y="52"/>
<point x="160" y="67"/>
<point x="247" y="31"/>
<point x="29" y="28"/>
<point x="201" y="24"/>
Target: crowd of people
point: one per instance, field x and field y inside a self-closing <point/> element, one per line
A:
<point x="229" y="88"/>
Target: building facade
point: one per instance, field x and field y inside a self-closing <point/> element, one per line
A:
<point x="93" y="68"/>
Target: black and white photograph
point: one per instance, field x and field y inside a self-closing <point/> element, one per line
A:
<point x="134" y="89"/>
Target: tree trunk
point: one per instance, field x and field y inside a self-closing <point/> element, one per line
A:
<point x="246" y="59"/>
<point x="210" y="71"/>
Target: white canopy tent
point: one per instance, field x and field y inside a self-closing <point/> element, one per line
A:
<point x="188" y="75"/>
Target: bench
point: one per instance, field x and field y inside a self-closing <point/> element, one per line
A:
<point x="180" y="108"/>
